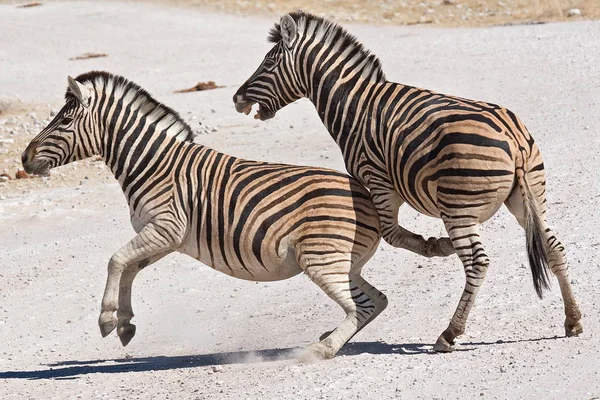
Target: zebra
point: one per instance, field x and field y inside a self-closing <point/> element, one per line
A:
<point x="447" y="157"/>
<point x="251" y="220"/>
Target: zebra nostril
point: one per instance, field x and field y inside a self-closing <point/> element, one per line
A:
<point x="238" y="98"/>
<point x="24" y="157"/>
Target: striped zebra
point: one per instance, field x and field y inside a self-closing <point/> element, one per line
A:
<point x="251" y="220"/>
<point x="447" y="157"/>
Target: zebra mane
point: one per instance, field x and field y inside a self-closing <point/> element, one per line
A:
<point x="101" y="79"/>
<point x="333" y="35"/>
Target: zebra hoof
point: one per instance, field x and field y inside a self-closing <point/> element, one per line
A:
<point x="573" y="329"/>
<point x="325" y="335"/>
<point x="439" y="247"/>
<point x="107" y="326"/>
<point x="445" y="247"/>
<point x="126" y="333"/>
<point x="443" y="346"/>
<point x="317" y="351"/>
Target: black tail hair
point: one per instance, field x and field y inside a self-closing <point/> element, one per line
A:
<point x="535" y="238"/>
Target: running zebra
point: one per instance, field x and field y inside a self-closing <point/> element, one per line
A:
<point x="448" y="157"/>
<point x="252" y="220"/>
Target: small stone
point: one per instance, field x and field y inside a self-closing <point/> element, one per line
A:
<point x="574" y="12"/>
<point x="5" y="177"/>
<point x="22" y="174"/>
<point x="52" y="113"/>
<point x="217" y="368"/>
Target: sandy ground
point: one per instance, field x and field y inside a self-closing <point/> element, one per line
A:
<point x="398" y="12"/>
<point x="205" y="335"/>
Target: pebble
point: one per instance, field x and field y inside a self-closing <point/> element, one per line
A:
<point x="217" y="368"/>
<point x="22" y="174"/>
<point x="574" y="12"/>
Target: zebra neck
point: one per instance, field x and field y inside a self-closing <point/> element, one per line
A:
<point x="138" y="150"/>
<point x="344" y="107"/>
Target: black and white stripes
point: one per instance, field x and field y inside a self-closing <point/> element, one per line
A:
<point x="251" y="220"/>
<point x="447" y="157"/>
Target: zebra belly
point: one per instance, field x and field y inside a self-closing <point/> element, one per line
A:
<point x="275" y="268"/>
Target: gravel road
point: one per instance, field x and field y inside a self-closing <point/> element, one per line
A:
<point x="204" y="335"/>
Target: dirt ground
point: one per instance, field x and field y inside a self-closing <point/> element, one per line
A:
<point x="403" y="12"/>
<point x="205" y="335"/>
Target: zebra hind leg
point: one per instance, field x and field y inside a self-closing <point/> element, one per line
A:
<point x="361" y="302"/>
<point x="558" y="265"/>
<point x="557" y="261"/>
<point x="380" y="300"/>
<point x="467" y="243"/>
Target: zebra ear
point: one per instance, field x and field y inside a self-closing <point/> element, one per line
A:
<point x="79" y="91"/>
<point x="289" y="29"/>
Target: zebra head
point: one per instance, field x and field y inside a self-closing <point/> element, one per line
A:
<point x="276" y="82"/>
<point x="68" y="137"/>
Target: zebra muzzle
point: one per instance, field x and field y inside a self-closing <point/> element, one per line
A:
<point x="242" y="105"/>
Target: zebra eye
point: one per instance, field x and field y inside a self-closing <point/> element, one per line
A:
<point x="67" y="120"/>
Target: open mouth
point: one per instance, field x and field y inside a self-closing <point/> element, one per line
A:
<point x="41" y="168"/>
<point x="262" y="113"/>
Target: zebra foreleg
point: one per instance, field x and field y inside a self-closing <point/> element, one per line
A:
<point x="145" y="246"/>
<point x="388" y="204"/>
<point x="467" y="242"/>
<point x="125" y="329"/>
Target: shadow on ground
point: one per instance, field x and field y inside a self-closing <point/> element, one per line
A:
<point x="74" y="369"/>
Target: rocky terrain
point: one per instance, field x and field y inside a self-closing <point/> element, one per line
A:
<point x="205" y="335"/>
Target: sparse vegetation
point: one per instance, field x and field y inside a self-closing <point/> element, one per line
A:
<point x="407" y="12"/>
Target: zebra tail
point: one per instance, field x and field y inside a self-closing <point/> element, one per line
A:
<point x="536" y="244"/>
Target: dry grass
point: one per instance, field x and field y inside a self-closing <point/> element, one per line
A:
<point x="443" y="12"/>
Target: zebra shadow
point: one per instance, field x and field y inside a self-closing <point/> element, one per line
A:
<point x="64" y="370"/>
